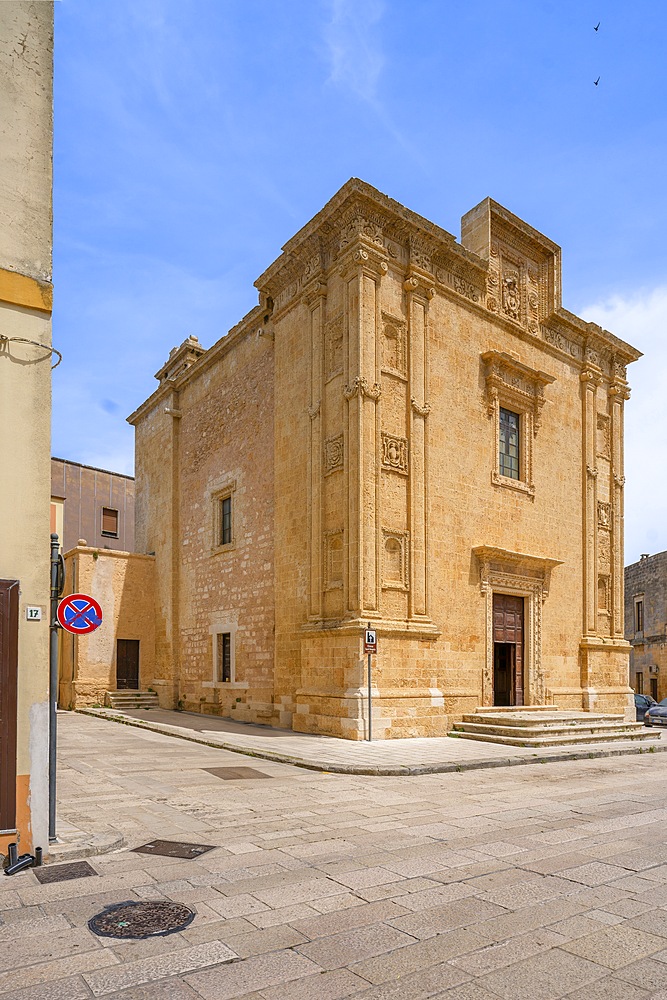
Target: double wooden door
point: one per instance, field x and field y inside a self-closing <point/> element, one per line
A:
<point x="508" y="680"/>
<point x="9" y="658"/>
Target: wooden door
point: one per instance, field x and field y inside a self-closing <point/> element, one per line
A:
<point x="508" y="630"/>
<point x="9" y="658"/>
<point x="127" y="664"/>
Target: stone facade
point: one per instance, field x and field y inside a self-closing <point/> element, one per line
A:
<point x="646" y="624"/>
<point x="354" y="418"/>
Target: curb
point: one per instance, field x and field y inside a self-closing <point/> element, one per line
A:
<point x="378" y="771"/>
<point x="101" y="843"/>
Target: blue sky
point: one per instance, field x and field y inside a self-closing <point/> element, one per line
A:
<point x="194" y="138"/>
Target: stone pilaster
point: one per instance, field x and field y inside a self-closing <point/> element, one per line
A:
<point x="618" y="392"/>
<point x="590" y="379"/>
<point x="362" y="274"/>
<point x="418" y="296"/>
<point x="316" y="302"/>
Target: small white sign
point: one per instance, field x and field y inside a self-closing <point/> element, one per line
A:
<point x="33" y="614"/>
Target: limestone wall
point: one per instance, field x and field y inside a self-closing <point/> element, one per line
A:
<point x="646" y="581"/>
<point x="123" y="584"/>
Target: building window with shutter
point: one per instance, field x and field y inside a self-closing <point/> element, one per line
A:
<point x="224" y="654"/>
<point x="109" y="522"/>
<point x="224" y="516"/>
<point x="639" y="614"/>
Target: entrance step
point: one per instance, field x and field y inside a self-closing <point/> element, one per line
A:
<point x="131" y="699"/>
<point x="544" y="726"/>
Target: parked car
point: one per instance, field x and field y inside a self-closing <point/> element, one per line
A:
<point x="642" y="704"/>
<point x="656" y="715"/>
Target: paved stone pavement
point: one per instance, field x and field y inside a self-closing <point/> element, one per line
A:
<point x="409" y="756"/>
<point x="525" y="883"/>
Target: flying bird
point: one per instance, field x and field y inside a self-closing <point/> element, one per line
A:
<point x="596" y="81"/>
<point x="597" y="26"/>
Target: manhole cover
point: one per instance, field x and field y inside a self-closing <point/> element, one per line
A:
<point x="61" y="873"/>
<point x="235" y="773"/>
<point x="174" y="849"/>
<point x="141" y="920"/>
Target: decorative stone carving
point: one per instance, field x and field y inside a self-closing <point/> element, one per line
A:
<point x="314" y="410"/>
<point x="394" y="345"/>
<point x="512" y="296"/>
<point x="604" y="514"/>
<point x="394" y="453"/>
<point x="334" y="561"/>
<point x="603" y="436"/>
<point x="423" y="411"/>
<point x="421" y="252"/>
<point x="360" y="387"/>
<point x="514" y="385"/>
<point x="333" y="339"/>
<point x="333" y="454"/>
<point x="395" y="573"/>
<point x="458" y="284"/>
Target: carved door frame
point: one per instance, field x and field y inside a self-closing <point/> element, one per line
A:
<point x="505" y="572"/>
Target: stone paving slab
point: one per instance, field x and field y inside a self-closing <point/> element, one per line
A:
<point x="383" y="757"/>
<point x="530" y="883"/>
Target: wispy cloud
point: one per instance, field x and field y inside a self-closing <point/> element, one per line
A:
<point x="356" y="60"/>
<point x="641" y="320"/>
<point x="354" y="53"/>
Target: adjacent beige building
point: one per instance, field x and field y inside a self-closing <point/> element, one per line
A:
<point x="26" y="74"/>
<point x="646" y="624"/>
<point x="408" y="431"/>
<point x="91" y="503"/>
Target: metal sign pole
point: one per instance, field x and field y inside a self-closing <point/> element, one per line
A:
<point x="370" y="700"/>
<point x="56" y="585"/>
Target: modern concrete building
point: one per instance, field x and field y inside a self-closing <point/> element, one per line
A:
<point x="92" y="504"/>
<point x="408" y="430"/>
<point x="26" y="128"/>
<point x="646" y="624"/>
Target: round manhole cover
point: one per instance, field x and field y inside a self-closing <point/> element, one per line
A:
<point x="141" y="920"/>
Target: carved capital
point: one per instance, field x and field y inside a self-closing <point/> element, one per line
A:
<point x="423" y="411"/>
<point x="592" y="473"/>
<point x="619" y="482"/>
<point x="591" y="378"/>
<point x="619" y="391"/>
<point x="314" y="410"/>
<point x="361" y="387"/>
<point x="315" y="292"/>
<point x="419" y="287"/>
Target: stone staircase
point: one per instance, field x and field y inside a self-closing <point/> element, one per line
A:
<point x="545" y="726"/>
<point x="130" y="699"/>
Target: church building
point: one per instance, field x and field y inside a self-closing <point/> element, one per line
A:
<point x="408" y="431"/>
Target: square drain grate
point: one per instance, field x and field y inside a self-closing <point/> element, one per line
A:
<point x="174" y="849"/>
<point x="235" y="773"/>
<point x="61" y="873"/>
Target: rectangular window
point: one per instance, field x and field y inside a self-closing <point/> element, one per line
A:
<point x="509" y="444"/>
<point x="224" y="657"/>
<point x="639" y="616"/>
<point x="639" y="680"/>
<point x="110" y="522"/>
<point x="225" y="521"/>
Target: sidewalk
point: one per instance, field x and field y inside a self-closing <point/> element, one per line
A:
<point x="384" y="757"/>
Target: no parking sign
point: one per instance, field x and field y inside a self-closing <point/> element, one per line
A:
<point x="79" y="614"/>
